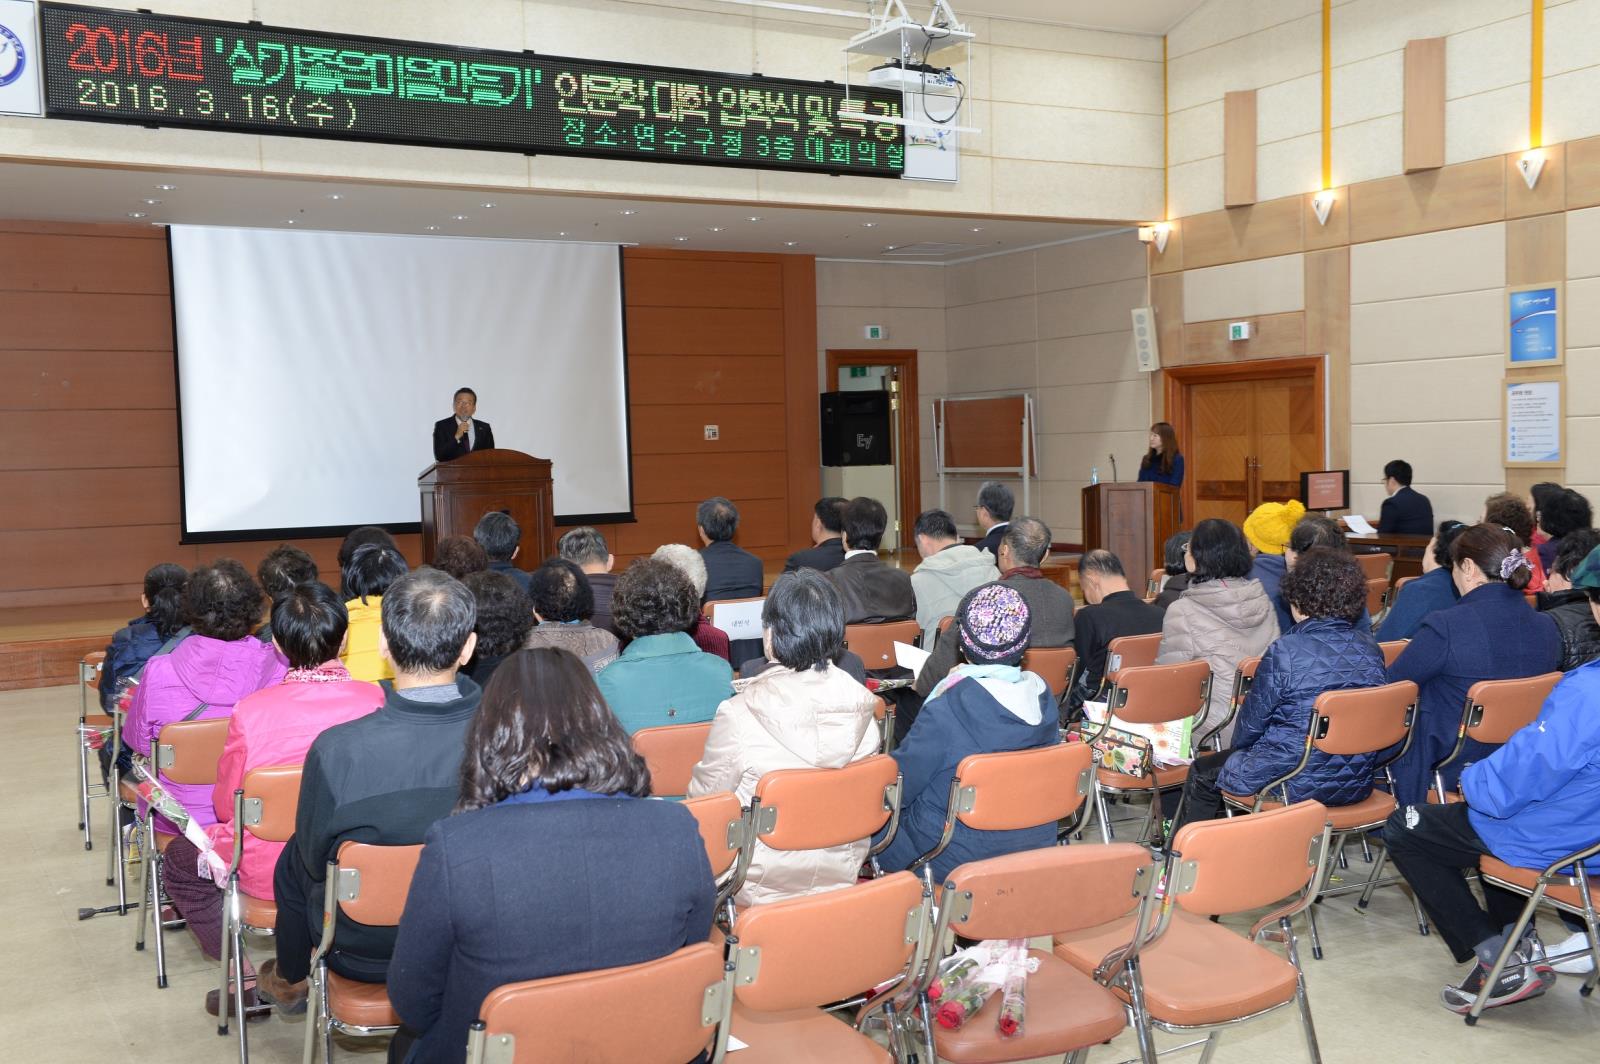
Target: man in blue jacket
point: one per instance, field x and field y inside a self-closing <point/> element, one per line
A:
<point x="1530" y="803"/>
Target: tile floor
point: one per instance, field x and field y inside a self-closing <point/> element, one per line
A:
<point x="77" y="992"/>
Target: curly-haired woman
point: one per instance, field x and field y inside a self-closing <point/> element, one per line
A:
<point x="1325" y="650"/>
<point x="505" y="617"/>
<point x="662" y="677"/>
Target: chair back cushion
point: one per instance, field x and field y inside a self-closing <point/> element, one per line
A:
<point x="195" y="747"/>
<point x="1023" y="788"/>
<point x="1156" y="694"/>
<point x="648" y="1012"/>
<point x="874" y="643"/>
<point x="715" y="813"/>
<point x="1043" y="892"/>
<point x="1131" y="652"/>
<point x="1248" y="862"/>
<point x="277" y="787"/>
<point x="1363" y="720"/>
<point x="671" y="753"/>
<point x="813" y="808"/>
<point x="1391" y="648"/>
<point x="826" y="947"/>
<point x="1053" y="664"/>
<point x="1505" y="707"/>
<point x="382" y="881"/>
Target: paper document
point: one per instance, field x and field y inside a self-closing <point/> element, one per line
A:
<point x="741" y="620"/>
<point x="1359" y="525"/>
<point x="909" y="657"/>
<point x="734" y="1043"/>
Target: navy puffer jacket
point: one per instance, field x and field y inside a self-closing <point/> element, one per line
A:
<point x="1316" y="655"/>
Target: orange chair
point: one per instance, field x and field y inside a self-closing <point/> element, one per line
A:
<point x="185" y="751"/>
<point x="1392" y="649"/>
<point x="1348" y="723"/>
<point x="264" y="807"/>
<point x="1495" y="711"/>
<point x="875" y="642"/>
<point x="1149" y="694"/>
<point x="1030" y="895"/>
<point x="1153" y="589"/>
<point x="742" y="644"/>
<point x="667" y="1011"/>
<point x="723" y="830"/>
<point x="883" y="714"/>
<point x="369" y="885"/>
<point x="671" y="752"/>
<point x="1190" y="974"/>
<point x="1378" y="565"/>
<point x="1573" y="894"/>
<point x="1054" y="665"/>
<point x="1131" y="651"/>
<point x="90" y="725"/>
<point x="794" y="956"/>
<point x="1377" y="592"/>
<point x="1243" y="677"/>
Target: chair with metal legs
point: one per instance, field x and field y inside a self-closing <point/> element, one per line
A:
<point x="671" y="752"/>
<point x="90" y="725"/>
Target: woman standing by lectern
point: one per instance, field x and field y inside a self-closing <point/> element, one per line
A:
<point x="1162" y="463"/>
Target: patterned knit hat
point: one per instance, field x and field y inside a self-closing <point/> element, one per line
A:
<point x="994" y="624"/>
<point x="1268" y="526"/>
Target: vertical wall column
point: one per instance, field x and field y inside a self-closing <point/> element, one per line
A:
<point x="1239" y="149"/>
<point x="1423" y="141"/>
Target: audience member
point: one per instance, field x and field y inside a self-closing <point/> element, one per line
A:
<point x="872" y="592"/>
<point x="586" y="548"/>
<point x="505" y="617"/>
<point x="273" y="726"/>
<point x="827" y="538"/>
<point x="1561" y="513"/>
<point x="1511" y="513"/>
<point x="1405" y="512"/>
<point x="1313" y="531"/>
<point x="500" y="537"/>
<point x="1111" y="609"/>
<point x="661" y="677"/>
<point x="205" y="675"/>
<point x="1434" y="590"/>
<point x="1176" y="580"/>
<point x="993" y="512"/>
<point x="354" y="540"/>
<point x="1529" y="803"/>
<point x="550" y="865"/>
<point x="1568" y="605"/>
<point x="563" y="604"/>
<point x="380" y="779"/>
<point x="284" y="568"/>
<point x="372" y="569"/>
<point x="987" y="704"/>
<point x="1538" y="496"/>
<point x="144" y="636"/>
<point x="1223" y="616"/>
<point x="1327" y="649"/>
<point x="1491" y="634"/>
<point x="802" y="712"/>
<point x="460" y="556"/>
<point x="706" y="636"/>
<point x="1268" y="529"/>
<point x="949" y="569"/>
<point x="730" y="571"/>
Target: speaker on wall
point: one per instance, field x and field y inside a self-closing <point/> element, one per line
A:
<point x="855" y="429"/>
<point x="1145" y="347"/>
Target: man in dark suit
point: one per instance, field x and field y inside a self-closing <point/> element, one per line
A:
<point x="872" y="591"/>
<point x="995" y="504"/>
<point x="730" y="572"/>
<point x="1111" y="610"/>
<point x="827" y="532"/>
<point x="501" y="539"/>
<point x="461" y="433"/>
<point x="1405" y="512"/>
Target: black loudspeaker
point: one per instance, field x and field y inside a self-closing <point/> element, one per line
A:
<point x="855" y="429"/>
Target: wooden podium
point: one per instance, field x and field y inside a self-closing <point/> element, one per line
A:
<point x="1131" y="519"/>
<point x="457" y="493"/>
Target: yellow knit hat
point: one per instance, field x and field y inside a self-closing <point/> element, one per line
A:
<point x="1268" y="526"/>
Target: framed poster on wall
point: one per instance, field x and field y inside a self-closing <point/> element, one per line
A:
<point x="1534" y="415"/>
<point x="1535" y="333"/>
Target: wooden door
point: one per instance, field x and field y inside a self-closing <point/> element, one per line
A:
<point x="1249" y="441"/>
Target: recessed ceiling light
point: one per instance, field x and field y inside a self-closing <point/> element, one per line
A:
<point x="158" y="225"/>
<point x="715" y="228"/>
<point x="138" y="214"/>
<point x="152" y="203"/>
<point x="627" y="213"/>
<point x="288" y="221"/>
<point x="487" y="206"/>
<point x="562" y="233"/>
<point x="869" y="225"/>
<point x="889" y="247"/>
<point x="791" y="243"/>
<point x="167" y="188"/>
<point x="335" y="196"/>
<point x="755" y="218"/>
<point x="681" y="239"/>
<point x="977" y="229"/>
<point x="431" y="228"/>
<point x="459" y="217"/>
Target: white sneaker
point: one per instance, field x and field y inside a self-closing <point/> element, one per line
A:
<point x="1577" y="965"/>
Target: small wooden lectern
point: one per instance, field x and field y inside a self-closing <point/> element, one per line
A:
<point x="456" y="494"/>
<point x="1131" y="519"/>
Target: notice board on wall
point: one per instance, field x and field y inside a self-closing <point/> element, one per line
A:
<point x="984" y="434"/>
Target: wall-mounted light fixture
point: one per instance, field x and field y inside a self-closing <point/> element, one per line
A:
<point x="1531" y="165"/>
<point x="1156" y="234"/>
<point x="1322" y="205"/>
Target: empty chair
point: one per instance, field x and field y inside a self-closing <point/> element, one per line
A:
<point x="1376" y="566"/>
<point x="671" y="752"/>
<point x="874" y="643"/>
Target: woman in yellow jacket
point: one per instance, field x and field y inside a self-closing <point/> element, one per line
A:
<point x="372" y="569"/>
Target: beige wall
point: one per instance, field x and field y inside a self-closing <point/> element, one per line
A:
<point x="1090" y="149"/>
<point x="1052" y="321"/>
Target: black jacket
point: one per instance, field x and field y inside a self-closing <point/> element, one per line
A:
<point x="730" y="572"/>
<point x="991" y="539"/>
<point x="1580" y="635"/>
<point x="381" y="779"/>
<point x="872" y="591"/>
<point x="1406" y="513"/>
<point x="446" y="446"/>
<point x="523" y="578"/>
<point x="603" y="585"/>
<point x="522" y="891"/>
<point x="829" y="554"/>
<point x="1094" y="627"/>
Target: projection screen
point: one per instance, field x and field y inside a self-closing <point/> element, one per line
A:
<point x="313" y="365"/>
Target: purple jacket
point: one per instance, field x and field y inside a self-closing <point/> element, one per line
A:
<point x="199" y="670"/>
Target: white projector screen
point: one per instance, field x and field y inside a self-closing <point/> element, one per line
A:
<point x="313" y="365"/>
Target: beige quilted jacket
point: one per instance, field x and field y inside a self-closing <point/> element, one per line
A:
<point x="1224" y="622"/>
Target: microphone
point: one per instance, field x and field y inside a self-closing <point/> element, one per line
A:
<point x="1113" y="468"/>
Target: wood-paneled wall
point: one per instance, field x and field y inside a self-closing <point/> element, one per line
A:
<point x="88" y="419"/>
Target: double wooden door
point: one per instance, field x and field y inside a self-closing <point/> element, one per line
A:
<point x="1249" y="440"/>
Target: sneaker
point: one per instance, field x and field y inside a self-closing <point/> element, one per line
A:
<point x="290" y="998"/>
<point x="1522" y="979"/>
<point x="1577" y="965"/>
